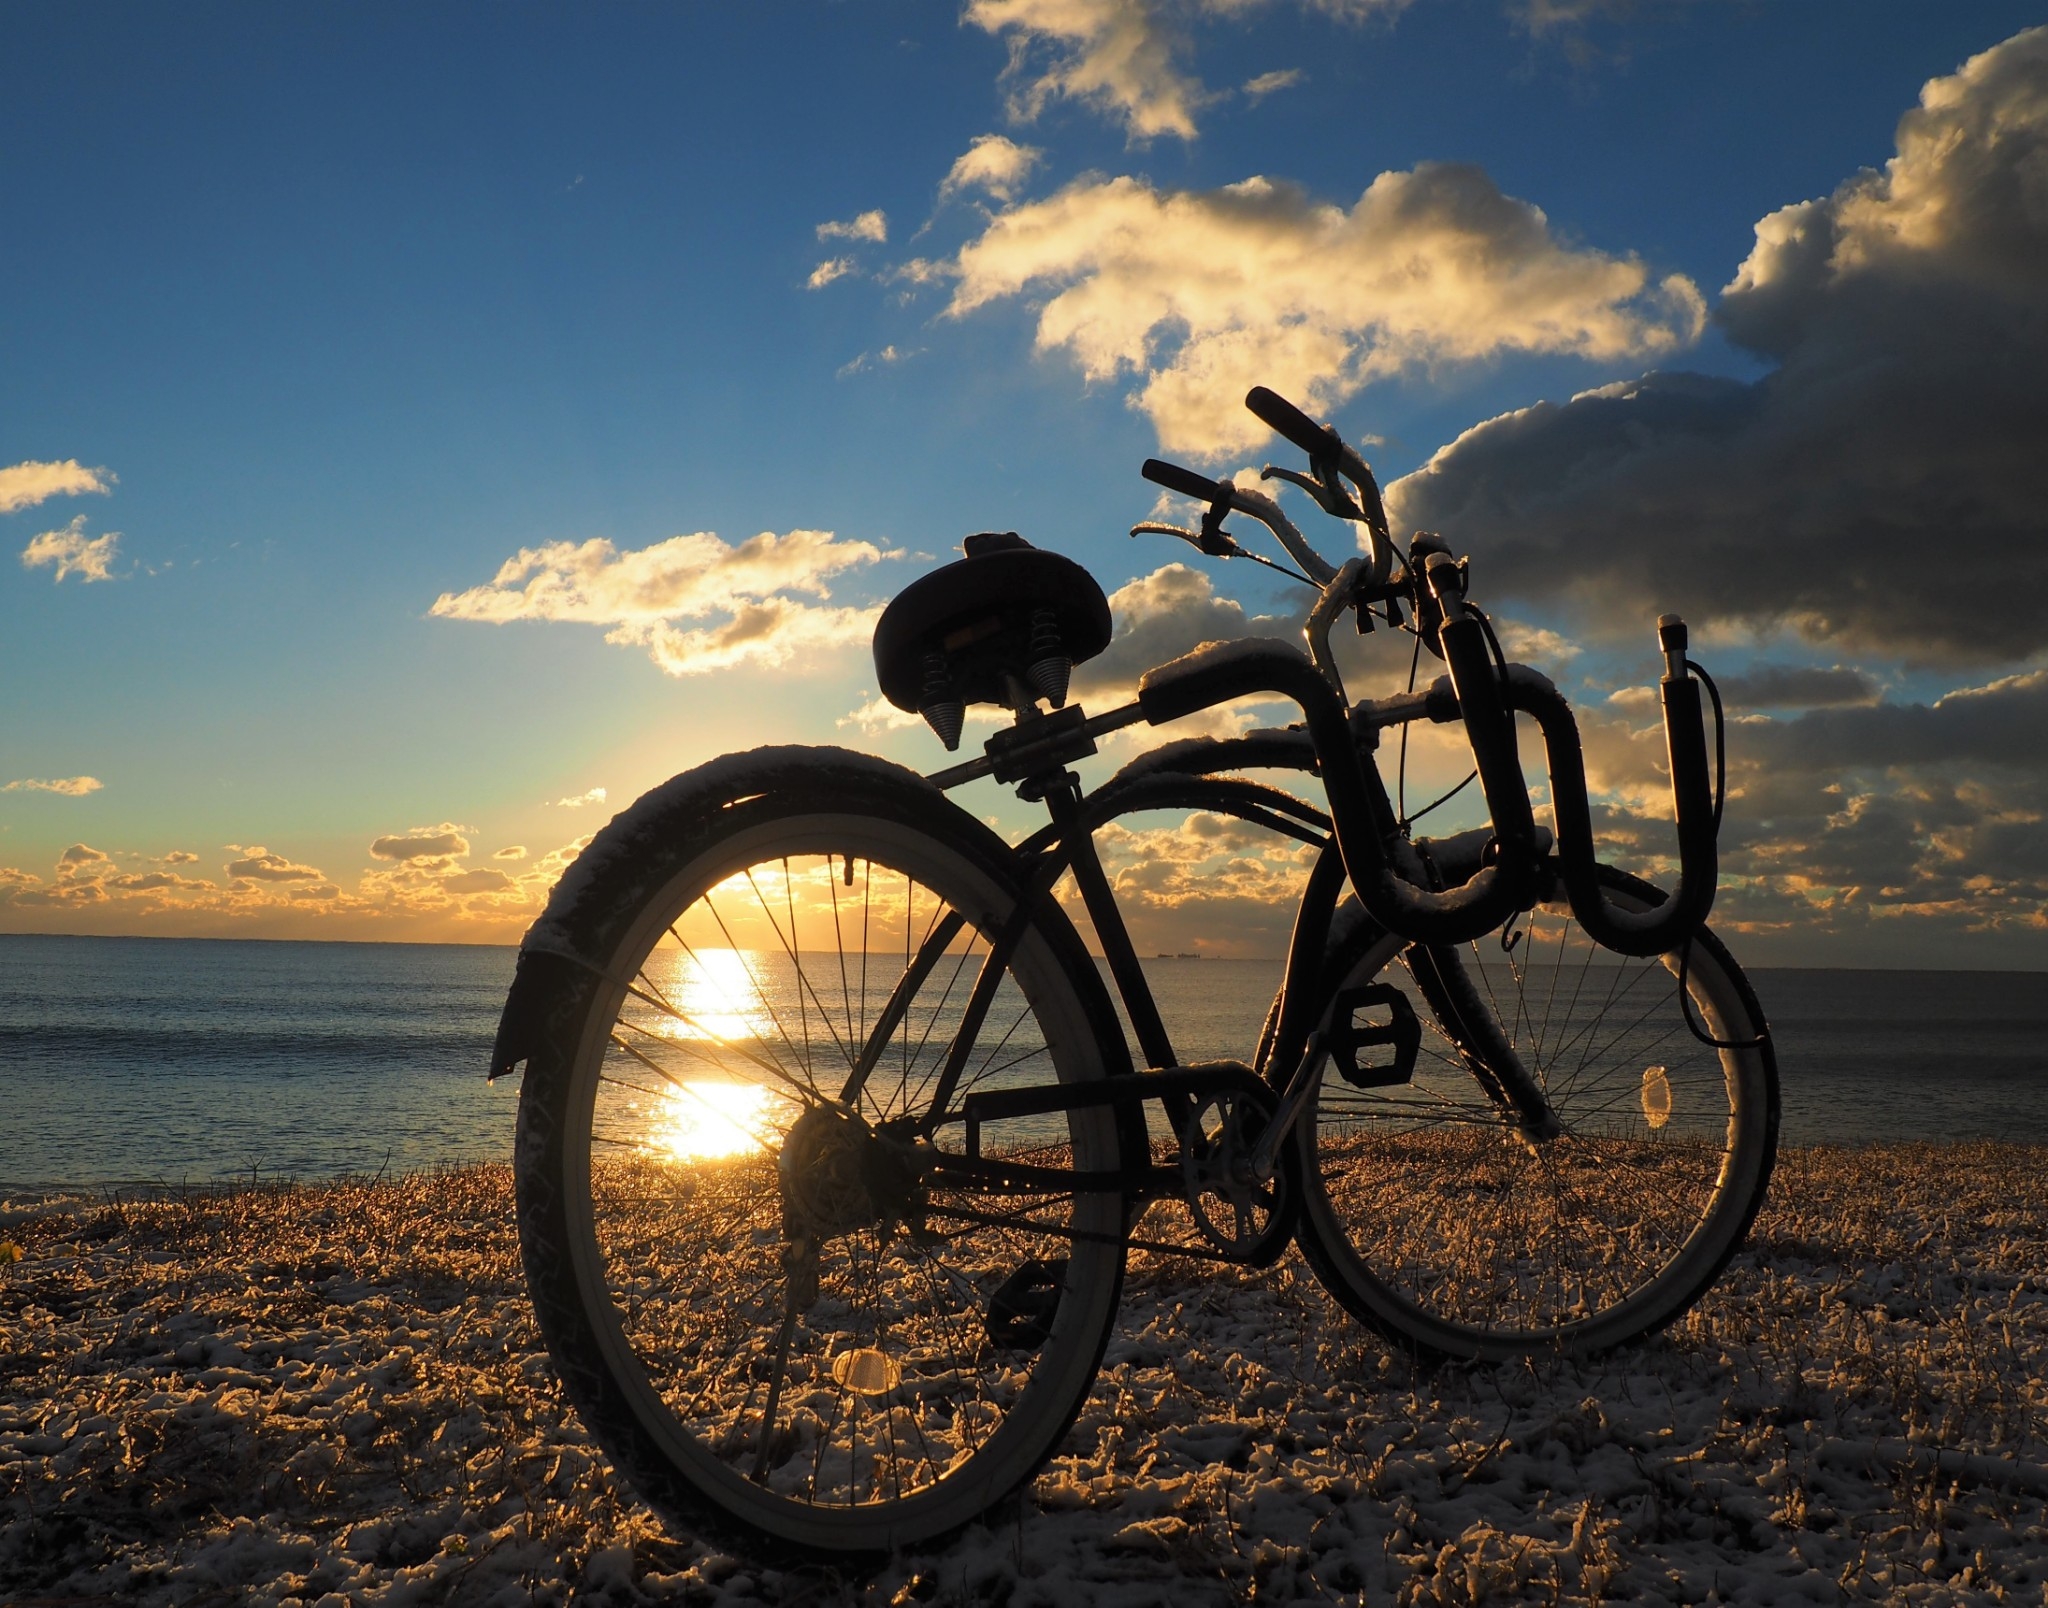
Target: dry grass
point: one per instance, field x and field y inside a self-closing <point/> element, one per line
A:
<point x="334" y="1394"/>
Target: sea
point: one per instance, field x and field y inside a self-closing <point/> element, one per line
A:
<point x="161" y="1063"/>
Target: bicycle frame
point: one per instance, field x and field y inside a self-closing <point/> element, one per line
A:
<point x="1423" y="897"/>
<point x="881" y="1315"/>
<point x="1178" y="777"/>
<point x="1430" y="895"/>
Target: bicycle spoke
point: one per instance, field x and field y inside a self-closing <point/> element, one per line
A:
<point x="866" y="1376"/>
<point x="1462" y="1222"/>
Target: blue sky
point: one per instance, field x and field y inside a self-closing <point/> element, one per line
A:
<point x="337" y="309"/>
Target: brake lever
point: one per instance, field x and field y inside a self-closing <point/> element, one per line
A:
<point x="1216" y="543"/>
<point x="1329" y="495"/>
<point x="1212" y="525"/>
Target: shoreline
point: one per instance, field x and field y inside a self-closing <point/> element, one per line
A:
<point x="333" y="1393"/>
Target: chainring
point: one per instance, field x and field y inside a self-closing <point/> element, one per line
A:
<point x="1245" y="1218"/>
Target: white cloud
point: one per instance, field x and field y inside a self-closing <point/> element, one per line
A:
<point x="1121" y="58"/>
<point x="481" y="880"/>
<point x="595" y="796"/>
<point x="69" y="786"/>
<point x="868" y="360"/>
<point x="1203" y="294"/>
<point x="425" y="892"/>
<point x="1534" y="644"/>
<point x="1882" y="489"/>
<point x="1112" y="55"/>
<point x="71" y="552"/>
<point x="1257" y="89"/>
<point x="642" y="594"/>
<point x="992" y="164"/>
<point x="868" y="226"/>
<point x="1160" y="616"/>
<point x="23" y="485"/>
<point x="139" y="882"/>
<point x="830" y="269"/>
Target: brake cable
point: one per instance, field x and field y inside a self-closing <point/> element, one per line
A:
<point x="1720" y="741"/>
<point x="1401" y="774"/>
<point x="1470" y="777"/>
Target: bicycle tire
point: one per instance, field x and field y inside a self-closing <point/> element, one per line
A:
<point x="874" y="1391"/>
<point x="1430" y="1217"/>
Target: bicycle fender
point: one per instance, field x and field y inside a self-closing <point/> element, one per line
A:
<point x="633" y="835"/>
<point x="542" y="979"/>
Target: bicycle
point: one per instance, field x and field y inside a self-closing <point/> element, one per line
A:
<point x="831" y="1147"/>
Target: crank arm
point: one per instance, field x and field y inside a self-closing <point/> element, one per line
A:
<point x="1300" y="1090"/>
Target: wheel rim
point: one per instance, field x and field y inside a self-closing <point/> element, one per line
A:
<point x="819" y="1342"/>
<point x="1466" y="1237"/>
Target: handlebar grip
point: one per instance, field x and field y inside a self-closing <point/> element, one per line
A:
<point x="1185" y="481"/>
<point x="1286" y="419"/>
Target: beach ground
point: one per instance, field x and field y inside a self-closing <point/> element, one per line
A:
<point x="335" y="1395"/>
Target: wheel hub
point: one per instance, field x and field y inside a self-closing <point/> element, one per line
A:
<point x="838" y="1175"/>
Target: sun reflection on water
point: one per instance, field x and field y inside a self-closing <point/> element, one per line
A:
<point x="705" y="1121"/>
<point x="718" y="996"/>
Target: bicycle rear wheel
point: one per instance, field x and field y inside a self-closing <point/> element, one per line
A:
<point x="774" y="1315"/>
<point x="1432" y="1218"/>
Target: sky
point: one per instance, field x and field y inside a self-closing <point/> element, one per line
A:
<point x="422" y="430"/>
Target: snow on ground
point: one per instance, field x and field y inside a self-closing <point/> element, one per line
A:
<point x="335" y="1396"/>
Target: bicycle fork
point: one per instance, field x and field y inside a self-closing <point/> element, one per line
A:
<point x="1481" y="1043"/>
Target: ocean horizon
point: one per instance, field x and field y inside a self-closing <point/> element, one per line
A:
<point x="161" y="1062"/>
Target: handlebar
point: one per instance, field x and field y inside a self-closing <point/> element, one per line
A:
<point x="1370" y="840"/>
<point x="1329" y="455"/>
<point x="1662" y="928"/>
<point x="1285" y="419"/>
<point x="1488" y="694"/>
<point x="1185" y="481"/>
<point x="1243" y="499"/>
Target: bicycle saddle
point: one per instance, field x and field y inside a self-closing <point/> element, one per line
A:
<point x="1007" y="622"/>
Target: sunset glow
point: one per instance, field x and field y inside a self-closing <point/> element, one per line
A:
<point x="599" y="451"/>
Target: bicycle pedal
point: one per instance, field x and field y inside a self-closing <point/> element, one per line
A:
<point x="1401" y="1032"/>
<point x="1020" y="1313"/>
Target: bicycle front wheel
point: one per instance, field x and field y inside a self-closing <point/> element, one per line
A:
<point x="777" y="1315"/>
<point x="1433" y="1218"/>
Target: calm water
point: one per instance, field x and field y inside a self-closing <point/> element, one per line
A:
<point x="166" y="1060"/>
